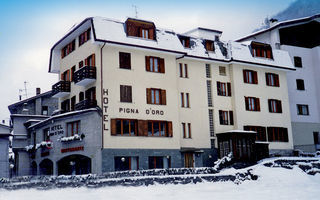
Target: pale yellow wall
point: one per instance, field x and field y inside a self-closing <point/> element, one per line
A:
<point x="263" y="92"/>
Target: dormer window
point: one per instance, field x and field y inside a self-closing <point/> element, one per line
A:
<point x="185" y="41"/>
<point x="85" y="36"/>
<point x="209" y="45"/>
<point x="66" y="50"/>
<point x="261" y="50"/>
<point x="142" y="29"/>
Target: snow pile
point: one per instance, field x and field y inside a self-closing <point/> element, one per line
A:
<point x="71" y="138"/>
<point x="47" y="144"/>
<point x="222" y="161"/>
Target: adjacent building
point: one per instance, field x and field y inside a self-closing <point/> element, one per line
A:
<point x="299" y="37"/>
<point x="4" y="151"/>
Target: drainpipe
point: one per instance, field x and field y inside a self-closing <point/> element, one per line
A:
<point x="101" y="77"/>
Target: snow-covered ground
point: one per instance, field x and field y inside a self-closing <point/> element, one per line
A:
<point x="273" y="183"/>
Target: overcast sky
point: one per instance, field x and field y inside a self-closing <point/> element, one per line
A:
<point x="28" y="29"/>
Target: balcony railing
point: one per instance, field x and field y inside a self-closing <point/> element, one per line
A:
<point x="61" y="89"/>
<point x="85" y="75"/>
<point x="85" y="104"/>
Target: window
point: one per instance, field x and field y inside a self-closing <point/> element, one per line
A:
<point x="186" y="130"/>
<point x="297" y="61"/>
<point x="127" y="127"/>
<point x="155" y="64"/>
<point x="65" y="76"/>
<point x="122" y="163"/>
<point x="261" y="132"/>
<point x="316" y="138"/>
<point x="85" y="36"/>
<point x="81" y="96"/>
<point x="125" y="60"/>
<point x="46" y="134"/>
<point x="224" y="89"/>
<point x="274" y="106"/>
<point x="158" y="128"/>
<point x="277" y="134"/>
<point x="211" y="126"/>
<point x="272" y="79"/>
<point x="226" y="117"/>
<point x="66" y="50"/>
<point x="261" y="50"/>
<point x="156" y="96"/>
<point x="222" y="71"/>
<point x="73" y="69"/>
<point x="73" y="103"/>
<point x="185" y="41"/>
<point x="91" y="94"/>
<point x="65" y="105"/>
<point x="139" y="28"/>
<point x="185" y="102"/>
<point x="209" y="45"/>
<point x="183" y="69"/>
<point x="159" y="162"/>
<point x="44" y="110"/>
<point x="250" y="76"/>
<point x="303" y="109"/>
<point x="252" y="103"/>
<point x="212" y="143"/>
<point x="208" y="71"/>
<point x="90" y="61"/>
<point x="300" y="84"/>
<point x="80" y="64"/>
<point x="209" y="92"/>
<point x="126" y="93"/>
<point x="73" y="128"/>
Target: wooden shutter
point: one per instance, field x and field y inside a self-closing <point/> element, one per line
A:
<point x="187" y="42"/>
<point x="267" y="79"/>
<point x="122" y="93"/>
<point x="231" y="117"/>
<point x="113" y="127"/>
<point x="244" y="76"/>
<point x="184" y="130"/>
<point x="279" y="107"/>
<point x="148" y="95"/>
<point x="285" y="134"/>
<point x="170" y="133"/>
<point x="68" y="75"/>
<point x="129" y="93"/>
<point x="180" y="67"/>
<point x="246" y="103"/>
<point x="269" y="105"/>
<point x="277" y="80"/>
<point x="257" y="101"/>
<point x="127" y="60"/>
<point x="162" y="68"/>
<point x="163" y="97"/>
<point x="93" y="60"/>
<point x="186" y="70"/>
<point x="255" y="77"/>
<point x="218" y="88"/>
<point x="220" y="117"/>
<point x="62" y="76"/>
<point x="148" y="63"/>
<point x="151" y="34"/>
<point x="142" y="127"/>
<point x="229" y="89"/>
<point x="86" y="62"/>
<point x="270" y="134"/>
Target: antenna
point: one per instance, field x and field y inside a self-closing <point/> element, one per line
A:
<point x="23" y="90"/>
<point x="135" y="10"/>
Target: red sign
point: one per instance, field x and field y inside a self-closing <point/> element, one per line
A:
<point x="81" y="148"/>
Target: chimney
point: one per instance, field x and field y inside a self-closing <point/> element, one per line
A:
<point x="38" y="91"/>
<point x="273" y="22"/>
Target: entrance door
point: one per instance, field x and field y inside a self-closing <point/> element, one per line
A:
<point x="74" y="165"/>
<point x="188" y="160"/>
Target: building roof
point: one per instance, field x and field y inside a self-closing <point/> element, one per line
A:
<point x="113" y="32"/>
<point x="12" y="106"/>
<point x="280" y="24"/>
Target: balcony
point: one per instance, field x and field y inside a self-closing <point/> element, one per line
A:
<point x="85" y="76"/>
<point x="61" y="89"/>
<point x="85" y="104"/>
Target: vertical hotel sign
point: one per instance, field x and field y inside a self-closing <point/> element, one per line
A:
<point x="105" y="109"/>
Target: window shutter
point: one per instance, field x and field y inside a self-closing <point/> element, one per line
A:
<point x="127" y="61"/>
<point x="62" y="77"/>
<point x="269" y="105"/>
<point x="220" y="117"/>
<point x="231" y="117"/>
<point x="68" y="75"/>
<point x="186" y="70"/>
<point x="218" y="88"/>
<point x="163" y="97"/>
<point x="255" y="77"/>
<point x="246" y="103"/>
<point x="229" y="89"/>
<point x="162" y="68"/>
<point x="267" y="79"/>
<point x="148" y="63"/>
<point x="93" y="60"/>
<point x="187" y="42"/>
<point x="148" y="95"/>
<point x="129" y="93"/>
<point x="170" y="133"/>
<point x="269" y="129"/>
<point x="122" y="95"/>
<point x="180" y="67"/>
<point x="142" y="131"/>
<point x="277" y="80"/>
<point x="86" y="62"/>
<point x="113" y="127"/>
<point x="151" y="34"/>
<point x="244" y="76"/>
<point x="279" y="107"/>
<point x="285" y="134"/>
<point x="258" y="104"/>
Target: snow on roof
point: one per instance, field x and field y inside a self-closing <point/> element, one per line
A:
<point x="241" y="52"/>
<point x="240" y="131"/>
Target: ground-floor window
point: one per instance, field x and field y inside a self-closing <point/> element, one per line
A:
<point x="277" y="134"/>
<point x="159" y="162"/>
<point x="122" y="163"/>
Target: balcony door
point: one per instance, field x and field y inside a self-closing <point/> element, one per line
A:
<point x="91" y="94"/>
